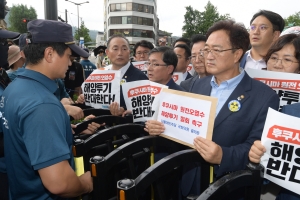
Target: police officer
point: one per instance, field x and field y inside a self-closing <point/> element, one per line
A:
<point x="37" y="133"/>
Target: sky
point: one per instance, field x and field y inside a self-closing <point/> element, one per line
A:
<point x="170" y="12"/>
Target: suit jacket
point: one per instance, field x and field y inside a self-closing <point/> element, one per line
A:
<point x="235" y="132"/>
<point x="188" y="76"/>
<point x="172" y="85"/>
<point x="132" y="74"/>
<point x="187" y="84"/>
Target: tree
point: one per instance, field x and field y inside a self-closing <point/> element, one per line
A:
<point x="293" y="19"/>
<point x="83" y="32"/>
<point x="196" y="22"/>
<point x="17" y="13"/>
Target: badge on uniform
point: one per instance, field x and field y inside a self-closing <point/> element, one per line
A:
<point x="123" y="81"/>
<point x="235" y="105"/>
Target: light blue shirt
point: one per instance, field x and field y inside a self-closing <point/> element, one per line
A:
<point x="224" y="90"/>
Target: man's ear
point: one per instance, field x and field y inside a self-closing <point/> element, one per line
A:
<point x="171" y="68"/>
<point x="276" y="35"/>
<point x="237" y="55"/>
<point x="48" y="54"/>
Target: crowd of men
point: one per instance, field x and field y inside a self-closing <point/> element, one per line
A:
<point x="36" y="131"/>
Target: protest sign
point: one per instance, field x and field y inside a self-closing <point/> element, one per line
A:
<point x="191" y="69"/>
<point x="282" y="157"/>
<point x="102" y="88"/>
<point x="141" y="98"/>
<point x="177" y="77"/>
<point x="186" y="115"/>
<point x="286" y="85"/>
<point x="140" y="65"/>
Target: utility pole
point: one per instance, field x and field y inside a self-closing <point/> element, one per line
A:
<point x="50" y="8"/>
<point x="66" y="13"/>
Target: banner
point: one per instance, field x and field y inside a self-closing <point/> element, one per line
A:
<point x="191" y="69"/>
<point x="177" y="77"/>
<point x="281" y="138"/>
<point x="186" y="115"/>
<point x="142" y="97"/>
<point x="141" y="66"/>
<point x="286" y="85"/>
<point x="102" y="88"/>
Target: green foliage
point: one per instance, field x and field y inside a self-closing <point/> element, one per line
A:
<point x="83" y="32"/>
<point x="196" y="22"/>
<point x="293" y="19"/>
<point x="17" y="13"/>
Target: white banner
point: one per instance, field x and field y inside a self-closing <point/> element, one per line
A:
<point x="186" y="115"/>
<point x="191" y="69"/>
<point x="141" y="98"/>
<point x="286" y="85"/>
<point x="177" y="77"/>
<point x="102" y="88"/>
<point x="282" y="142"/>
<point x="141" y="66"/>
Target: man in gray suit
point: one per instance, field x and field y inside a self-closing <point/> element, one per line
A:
<point x="198" y="42"/>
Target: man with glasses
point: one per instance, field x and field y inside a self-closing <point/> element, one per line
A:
<point x="183" y="53"/>
<point x="197" y="60"/>
<point x="141" y="50"/>
<point x="161" y="64"/>
<point x="265" y="27"/>
<point x="242" y="104"/>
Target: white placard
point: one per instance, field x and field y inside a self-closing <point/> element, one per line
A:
<point x="177" y="77"/>
<point x="191" y="69"/>
<point x="141" y="66"/>
<point x="286" y="85"/>
<point x="140" y="97"/>
<point x="186" y="115"/>
<point x="281" y="138"/>
<point x="102" y="88"/>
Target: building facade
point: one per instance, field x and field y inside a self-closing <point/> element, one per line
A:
<point x="135" y="19"/>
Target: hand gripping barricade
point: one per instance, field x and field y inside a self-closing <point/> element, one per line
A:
<point x="92" y="111"/>
<point x="250" y="180"/>
<point x="164" y="175"/>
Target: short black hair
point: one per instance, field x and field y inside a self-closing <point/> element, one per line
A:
<point x="276" y="20"/>
<point x="238" y="34"/>
<point x="142" y="43"/>
<point x="34" y="53"/>
<point x="187" y="51"/>
<point x="185" y="40"/>
<point x="117" y="36"/>
<point x="197" y="38"/>
<point x="168" y="55"/>
<point x="293" y="39"/>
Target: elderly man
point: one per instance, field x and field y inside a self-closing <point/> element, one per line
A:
<point x="38" y="147"/>
<point x="118" y="51"/>
<point x="197" y="60"/>
<point x="265" y="27"/>
<point x="235" y="128"/>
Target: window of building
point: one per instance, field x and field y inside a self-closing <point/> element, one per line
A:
<point x="116" y="20"/>
<point x="129" y="20"/>
<point x="140" y="20"/>
<point x="134" y="20"/>
<point x="112" y="7"/>
<point x="129" y="6"/>
<point x="123" y="6"/>
<point x="140" y="8"/>
<point x="151" y="9"/>
<point x="146" y="10"/>
<point x="124" y="20"/>
<point x="145" y="21"/>
<point x="150" y="22"/>
<point x="118" y="6"/>
<point x="135" y="7"/>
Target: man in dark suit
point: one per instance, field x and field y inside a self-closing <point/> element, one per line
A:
<point x="118" y="51"/>
<point x="198" y="42"/>
<point x="242" y="103"/>
<point x="183" y="53"/>
<point x="161" y="64"/>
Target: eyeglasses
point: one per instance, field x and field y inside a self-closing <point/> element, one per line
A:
<point x="261" y="28"/>
<point x="284" y="61"/>
<point x="215" y="52"/>
<point x="140" y="53"/>
<point x="194" y="57"/>
<point x="148" y="64"/>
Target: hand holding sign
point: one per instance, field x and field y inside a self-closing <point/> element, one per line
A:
<point x="154" y="127"/>
<point x="115" y="109"/>
<point x="209" y="150"/>
<point x="256" y="152"/>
